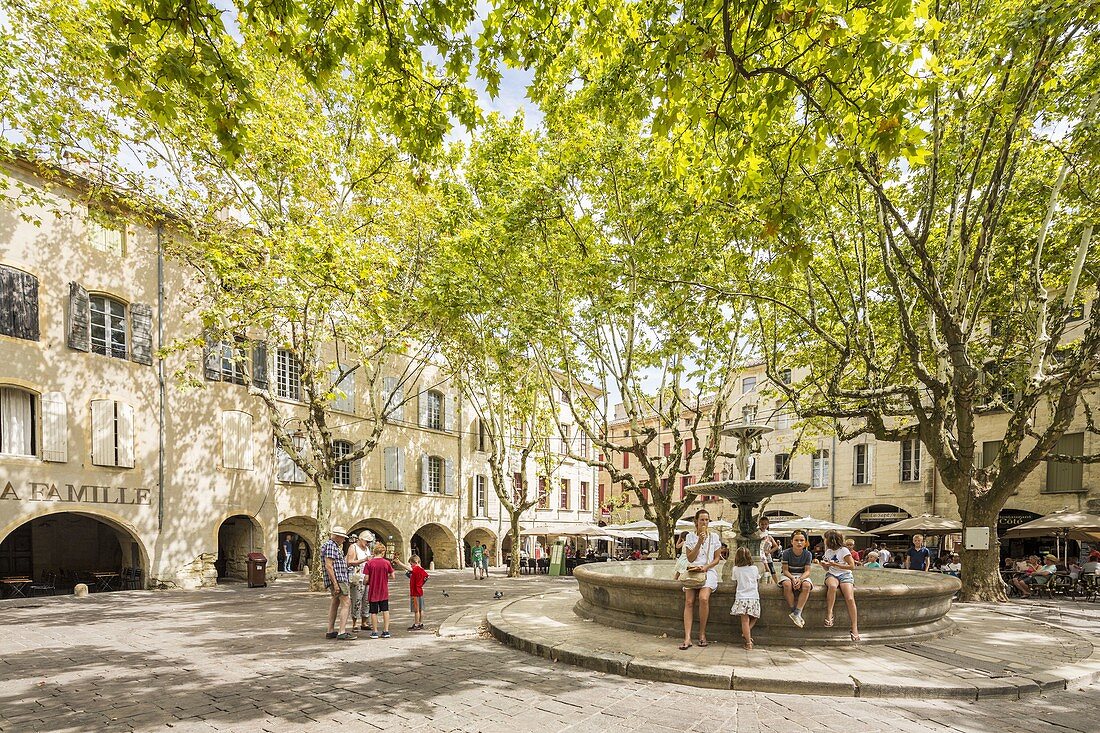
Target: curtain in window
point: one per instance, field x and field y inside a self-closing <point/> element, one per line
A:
<point x="16" y="422"/>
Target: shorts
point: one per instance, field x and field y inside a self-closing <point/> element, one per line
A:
<point x="380" y="606"/>
<point x="844" y="577"/>
<point x="747" y="606"/>
<point x="805" y="581"/>
<point x="344" y="588"/>
<point x="419" y="599"/>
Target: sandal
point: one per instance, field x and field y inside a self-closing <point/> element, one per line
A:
<point x="702" y="642"/>
<point x="748" y="643"/>
<point x="685" y="646"/>
<point x="829" y="622"/>
<point x="854" y="636"/>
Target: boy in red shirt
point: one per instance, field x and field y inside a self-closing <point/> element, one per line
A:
<point x="417" y="577"/>
<point x="379" y="571"/>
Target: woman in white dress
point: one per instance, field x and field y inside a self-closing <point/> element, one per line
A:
<point x="702" y="551"/>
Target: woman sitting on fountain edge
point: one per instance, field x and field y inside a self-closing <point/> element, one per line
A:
<point x="702" y="551"/>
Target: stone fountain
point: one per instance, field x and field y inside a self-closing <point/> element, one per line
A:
<point x="894" y="605"/>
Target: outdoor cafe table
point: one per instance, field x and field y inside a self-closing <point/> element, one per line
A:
<point x="18" y="585"/>
<point x="106" y="581"/>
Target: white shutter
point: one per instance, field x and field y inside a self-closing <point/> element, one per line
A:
<point x="356" y="466"/>
<point x="422" y="409"/>
<point x="230" y="440"/>
<point x="425" y="469"/>
<point x="124" y="424"/>
<point x="344" y="391"/>
<point x="449" y="477"/>
<point x="285" y="465"/>
<point x="400" y="469"/>
<point x="244" y="441"/>
<point x="449" y="413"/>
<point x="390" y="457"/>
<point x="870" y="463"/>
<point x="55" y="427"/>
<point x="103" y="432"/>
<point x="299" y="476"/>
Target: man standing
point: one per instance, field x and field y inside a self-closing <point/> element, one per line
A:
<point x="336" y="582"/>
<point x="288" y="552"/>
<point x="918" y="557"/>
<point x="475" y="557"/>
<point x="484" y="560"/>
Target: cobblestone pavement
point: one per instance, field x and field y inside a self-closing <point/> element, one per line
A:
<point x="241" y="659"/>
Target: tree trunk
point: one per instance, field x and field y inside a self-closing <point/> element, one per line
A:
<point x="324" y="526"/>
<point x="981" y="577"/>
<point x="513" y="562"/>
<point x="666" y="534"/>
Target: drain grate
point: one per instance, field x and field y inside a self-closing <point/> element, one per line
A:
<point x="992" y="669"/>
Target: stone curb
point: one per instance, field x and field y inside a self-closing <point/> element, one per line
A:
<point x="561" y="646"/>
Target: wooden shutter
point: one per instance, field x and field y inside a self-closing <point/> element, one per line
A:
<point x="55" y="427"/>
<point x="449" y="477"/>
<point x="79" y="337"/>
<point x="8" y="296"/>
<point x="390" y="458"/>
<point x="124" y="438"/>
<point x="343" y="391"/>
<point x="103" y="432"/>
<point x="244" y="441"/>
<point x="356" y="467"/>
<point x="237" y="439"/>
<point x="284" y="465"/>
<point x="422" y="409"/>
<point x="141" y="329"/>
<point x="425" y="469"/>
<point x="229" y="440"/>
<point x="24" y="305"/>
<point x="448" y="412"/>
<point x="259" y="365"/>
<point x="300" y="449"/>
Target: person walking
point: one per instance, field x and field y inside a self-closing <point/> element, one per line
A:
<point x="839" y="565"/>
<point x="475" y="560"/>
<point x="746" y="603"/>
<point x="358" y="555"/>
<point x="288" y="552"/>
<point x="335" y="571"/>
<point x="702" y="550"/>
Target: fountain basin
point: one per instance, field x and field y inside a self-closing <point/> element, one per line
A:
<point x="894" y="606"/>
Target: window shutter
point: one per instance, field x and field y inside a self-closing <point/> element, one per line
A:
<point x="348" y="385"/>
<point x="9" y="278"/>
<point x="229" y="440"/>
<point x="389" y="462"/>
<point x="422" y="409"/>
<point x="244" y="441"/>
<point x="285" y="465"/>
<point x="124" y="424"/>
<point x="870" y="470"/>
<point x="344" y="391"/>
<point x="23" y="307"/>
<point x="356" y="466"/>
<point x="141" y="328"/>
<point x="259" y="365"/>
<point x="55" y="427"/>
<point x="449" y="413"/>
<point x="449" y="477"/>
<point x="400" y="470"/>
<point x="79" y="304"/>
<point x="425" y="468"/>
<point x="471" y="504"/>
<point x="299" y="476"/>
<point x="103" y="432"/>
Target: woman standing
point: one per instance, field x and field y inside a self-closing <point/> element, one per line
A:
<point x="358" y="555"/>
<point x="839" y="564"/>
<point x="702" y="551"/>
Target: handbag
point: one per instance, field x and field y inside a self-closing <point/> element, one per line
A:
<point x="690" y="578"/>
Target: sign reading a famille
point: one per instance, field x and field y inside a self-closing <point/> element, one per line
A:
<point x="74" y="494"/>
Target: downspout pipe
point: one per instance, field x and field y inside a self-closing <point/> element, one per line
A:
<point x="161" y="386"/>
<point x="832" y="481"/>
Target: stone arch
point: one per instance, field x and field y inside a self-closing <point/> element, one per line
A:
<point x="303" y="531"/>
<point x="878" y="515"/>
<point x="435" y="543"/>
<point x="88" y="540"/>
<point x="480" y="535"/>
<point x="238" y="534"/>
<point x="385" y="531"/>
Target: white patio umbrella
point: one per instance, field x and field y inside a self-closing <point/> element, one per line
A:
<point x="812" y="525"/>
<point x="928" y="524"/>
<point x="1062" y="525"/>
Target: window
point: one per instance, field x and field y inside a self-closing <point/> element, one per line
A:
<point x="112" y="434"/>
<point x="343" y="390"/>
<point x="566" y="438"/>
<point x="1063" y="476"/>
<point x="108" y="326"/>
<point x="601" y="495"/>
<point x="990" y="450"/>
<point x="910" y="460"/>
<point x="782" y="416"/>
<point x="748" y="415"/>
<point x="563" y="499"/>
<point x="583" y="504"/>
<point x="689" y="445"/>
<point x="431" y="407"/>
<point x="481" y="496"/>
<point x="785" y="376"/>
<point x="17" y="422"/>
<point x="748" y="384"/>
<point x="820" y="472"/>
<point x="544" y="494"/>
<point x="752" y="468"/>
<point x="666" y="485"/>
<point x="237" y="440"/>
<point x="666" y="449"/>
<point x="688" y="422"/>
<point x="685" y="481"/>
<point x="433" y="479"/>
<point x="18" y="304"/>
<point x="288" y="375"/>
<point x="233" y="361"/>
<point x="342" y="474"/>
<point x="626" y="460"/>
<point x="585" y="444"/>
<point x="106" y="237"/>
<point x="860" y="466"/>
<point x="783" y="466"/>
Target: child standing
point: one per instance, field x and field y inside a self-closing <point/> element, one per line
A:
<point x="378" y="572"/>
<point x="747" y="601"/>
<point x="417" y="577"/>
<point x="839" y="563"/>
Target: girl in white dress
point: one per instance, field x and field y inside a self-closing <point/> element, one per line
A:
<point x="702" y="551"/>
<point x="747" y="601"/>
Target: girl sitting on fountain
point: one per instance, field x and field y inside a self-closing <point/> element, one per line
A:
<point x="701" y="548"/>
<point x="747" y="601"/>
<point x="839" y="563"/>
